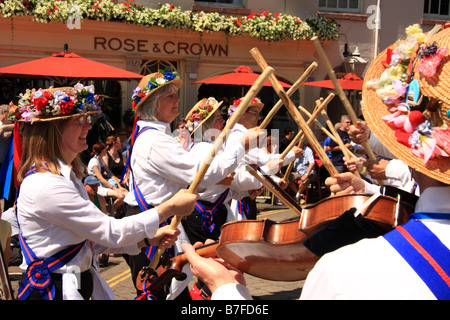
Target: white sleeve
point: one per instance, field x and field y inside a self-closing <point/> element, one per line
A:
<point x="232" y="291"/>
<point x="60" y="204"/>
<point x="168" y="159"/>
<point x="379" y="148"/>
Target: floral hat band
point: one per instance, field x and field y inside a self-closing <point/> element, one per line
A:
<point x="201" y="112"/>
<point x="150" y="83"/>
<point x="54" y="103"/>
<point x="256" y="102"/>
<point x="405" y="100"/>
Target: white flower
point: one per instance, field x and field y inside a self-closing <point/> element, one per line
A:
<point x="160" y="81"/>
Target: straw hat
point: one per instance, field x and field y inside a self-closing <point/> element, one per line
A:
<point x="55" y="103"/>
<point x="256" y="102"/>
<point x="416" y="130"/>
<point x="152" y="82"/>
<point x="201" y="112"/>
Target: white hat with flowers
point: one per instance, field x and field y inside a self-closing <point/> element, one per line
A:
<point x="201" y="112"/>
<point x="405" y="100"/>
<point x="256" y="102"/>
<point x="151" y="83"/>
<point x="55" y="103"/>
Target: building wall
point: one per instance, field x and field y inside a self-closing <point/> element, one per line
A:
<point x="199" y="56"/>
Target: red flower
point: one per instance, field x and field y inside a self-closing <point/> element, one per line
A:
<point x="66" y="107"/>
<point x="40" y="103"/>
<point x="47" y="95"/>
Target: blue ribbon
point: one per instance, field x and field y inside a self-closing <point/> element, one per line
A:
<point x="432" y="246"/>
<point x="6" y="171"/>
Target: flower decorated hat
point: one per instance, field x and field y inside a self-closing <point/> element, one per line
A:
<point x="152" y="82"/>
<point x="55" y="103"/>
<point x="201" y="112"/>
<point x="406" y="100"/>
<point x="256" y="102"/>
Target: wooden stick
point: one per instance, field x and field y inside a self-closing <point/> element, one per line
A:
<point x="296" y="115"/>
<point x="341" y="94"/>
<point x="291" y="90"/>
<point x="312" y="118"/>
<point x="218" y="143"/>
<point x="324" y="130"/>
<point x="272" y="187"/>
<point x="340" y="143"/>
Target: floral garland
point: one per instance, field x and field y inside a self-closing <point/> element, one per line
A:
<point x="266" y="26"/>
<point x="202" y="111"/>
<point x="54" y="102"/>
<point x="409" y="117"/>
<point x="161" y="78"/>
<point x="237" y="102"/>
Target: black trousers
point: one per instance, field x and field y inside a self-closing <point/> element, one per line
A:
<point x="192" y="224"/>
<point x="137" y="262"/>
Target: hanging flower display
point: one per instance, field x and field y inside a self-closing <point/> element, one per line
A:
<point x="266" y="26"/>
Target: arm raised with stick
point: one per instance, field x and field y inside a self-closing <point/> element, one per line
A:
<point x="296" y="115"/>
<point x="351" y="113"/>
<point x="255" y="88"/>
<point x="291" y="90"/>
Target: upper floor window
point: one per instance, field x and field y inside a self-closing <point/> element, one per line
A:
<point x="234" y="3"/>
<point x="436" y="9"/>
<point x="351" y="6"/>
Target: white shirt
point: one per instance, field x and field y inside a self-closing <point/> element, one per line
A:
<point x="369" y="269"/>
<point x="94" y="161"/>
<point x="162" y="167"/>
<point x="372" y="268"/>
<point x="256" y="155"/>
<point x="398" y="175"/>
<point x="242" y="182"/>
<point x="54" y="211"/>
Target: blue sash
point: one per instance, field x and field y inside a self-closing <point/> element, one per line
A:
<point x="207" y="214"/>
<point x="143" y="204"/>
<point x="6" y="171"/>
<point x="39" y="270"/>
<point x="243" y="207"/>
<point x="424" y="252"/>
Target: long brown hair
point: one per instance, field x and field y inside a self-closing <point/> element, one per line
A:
<point x="41" y="142"/>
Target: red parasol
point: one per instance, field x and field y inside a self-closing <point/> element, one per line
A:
<point x="65" y="66"/>
<point x="349" y="82"/>
<point x="241" y="76"/>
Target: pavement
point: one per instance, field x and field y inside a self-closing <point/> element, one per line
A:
<point x="117" y="274"/>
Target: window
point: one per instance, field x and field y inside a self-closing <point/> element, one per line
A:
<point x="351" y="6"/>
<point x="151" y="66"/>
<point x="436" y="9"/>
<point x="231" y="3"/>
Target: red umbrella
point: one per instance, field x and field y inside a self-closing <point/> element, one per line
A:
<point x="241" y="76"/>
<point x="349" y="82"/>
<point x="63" y="66"/>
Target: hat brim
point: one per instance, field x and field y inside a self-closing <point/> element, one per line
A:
<point x="260" y="106"/>
<point x="176" y="82"/>
<point x="374" y="109"/>
<point x="208" y="116"/>
<point x="61" y="117"/>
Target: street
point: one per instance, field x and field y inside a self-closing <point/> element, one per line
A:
<point x="117" y="273"/>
